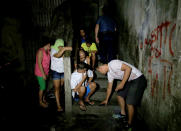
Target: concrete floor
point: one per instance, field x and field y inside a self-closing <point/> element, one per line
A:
<point x="19" y="110"/>
<point x="30" y="117"/>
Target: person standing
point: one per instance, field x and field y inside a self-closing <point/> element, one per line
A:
<point x="42" y="70"/>
<point x="57" y="52"/>
<point x="105" y="37"/>
<point x="131" y="87"/>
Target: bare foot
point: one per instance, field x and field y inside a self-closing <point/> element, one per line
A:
<point x="59" y="109"/>
<point x="43" y="105"/>
<point x="89" y="102"/>
<point x="83" y="107"/>
<point x="103" y="103"/>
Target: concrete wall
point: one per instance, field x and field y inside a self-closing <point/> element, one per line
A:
<point x="149" y="38"/>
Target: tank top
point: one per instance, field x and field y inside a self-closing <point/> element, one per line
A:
<point x="45" y="63"/>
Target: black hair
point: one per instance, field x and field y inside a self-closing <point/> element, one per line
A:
<point x="81" y="65"/>
<point x="88" y="40"/>
<point x="46" y="40"/>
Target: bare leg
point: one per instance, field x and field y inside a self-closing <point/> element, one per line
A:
<point x="62" y="82"/>
<point x="56" y="84"/>
<point x="92" y="87"/>
<point x="81" y="94"/>
<point x="130" y="113"/>
<point x="121" y="103"/>
<point x="41" y="99"/>
<point x="93" y="57"/>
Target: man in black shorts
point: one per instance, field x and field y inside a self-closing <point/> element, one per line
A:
<point x="129" y="90"/>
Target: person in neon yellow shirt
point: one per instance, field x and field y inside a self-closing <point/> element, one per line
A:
<point x="91" y="48"/>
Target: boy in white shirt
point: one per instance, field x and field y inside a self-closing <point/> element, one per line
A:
<point x="80" y="87"/>
<point x="129" y="90"/>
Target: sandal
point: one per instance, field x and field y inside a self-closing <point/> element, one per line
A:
<point x="46" y="102"/>
<point x="89" y="103"/>
<point x="82" y="107"/>
<point x="44" y="105"/>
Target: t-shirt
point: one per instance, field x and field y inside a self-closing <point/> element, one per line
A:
<point x="115" y="71"/>
<point x="89" y="72"/>
<point x="56" y="63"/>
<point x="76" y="78"/>
<point x="89" y="49"/>
<point x="106" y="24"/>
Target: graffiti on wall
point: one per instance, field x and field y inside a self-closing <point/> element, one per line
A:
<point x="158" y="41"/>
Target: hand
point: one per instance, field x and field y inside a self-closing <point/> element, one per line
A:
<point x="84" y="76"/>
<point x="97" y="40"/>
<point x="75" y="90"/>
<point x="88" y="83"/>
<point x="119" y="87"/>
<point x="44" y="77"/>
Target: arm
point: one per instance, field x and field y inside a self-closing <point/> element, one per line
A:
<point x="81" y="82"/>
<point x="109" y="90"/>
<point x="60" y="52"/>
<point x="90" y="79"/>
<point x="88" y="60"/>
<point x="40" y="58"/>
<point x="127" y="72"/>
<point x="96" y="33"/>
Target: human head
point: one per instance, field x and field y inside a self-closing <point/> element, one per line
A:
<point x="88" y="42"/>
<point x="82" y="32"/>
<point x="103" y="68"/>
<point x="82" y="67"/>
<point x="58" y="44"/>
<point x="47" y="46"/>
<point x="82" y="55"/>
<point x="46" y="43"/>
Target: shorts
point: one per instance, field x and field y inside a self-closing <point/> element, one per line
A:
<point x="133" y="90"/>
<point x="41" y="82"/>
<point x="88" y="90"/>
<point x="57" y="75"/>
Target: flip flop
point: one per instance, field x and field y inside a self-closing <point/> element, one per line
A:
<point x="89" y="103"/>
<point x="82" y="107"/>
<point x="43" y="105"/>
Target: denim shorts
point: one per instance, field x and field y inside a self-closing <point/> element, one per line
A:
<point x="88" y="90"/>
<point x="57" y="75"/>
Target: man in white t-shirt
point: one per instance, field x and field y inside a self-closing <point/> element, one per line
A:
<point x="82" y="89"/>
<point x="130" y="89"/>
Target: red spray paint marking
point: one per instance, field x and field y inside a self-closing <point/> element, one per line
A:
<point x="149" y="64"/>
<point x="170" y="40"/>
<point x="154" y="37"/>
<point x="170" y="73"/>
<point x="158" y="52"/>
<point x="153" y="85"/>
